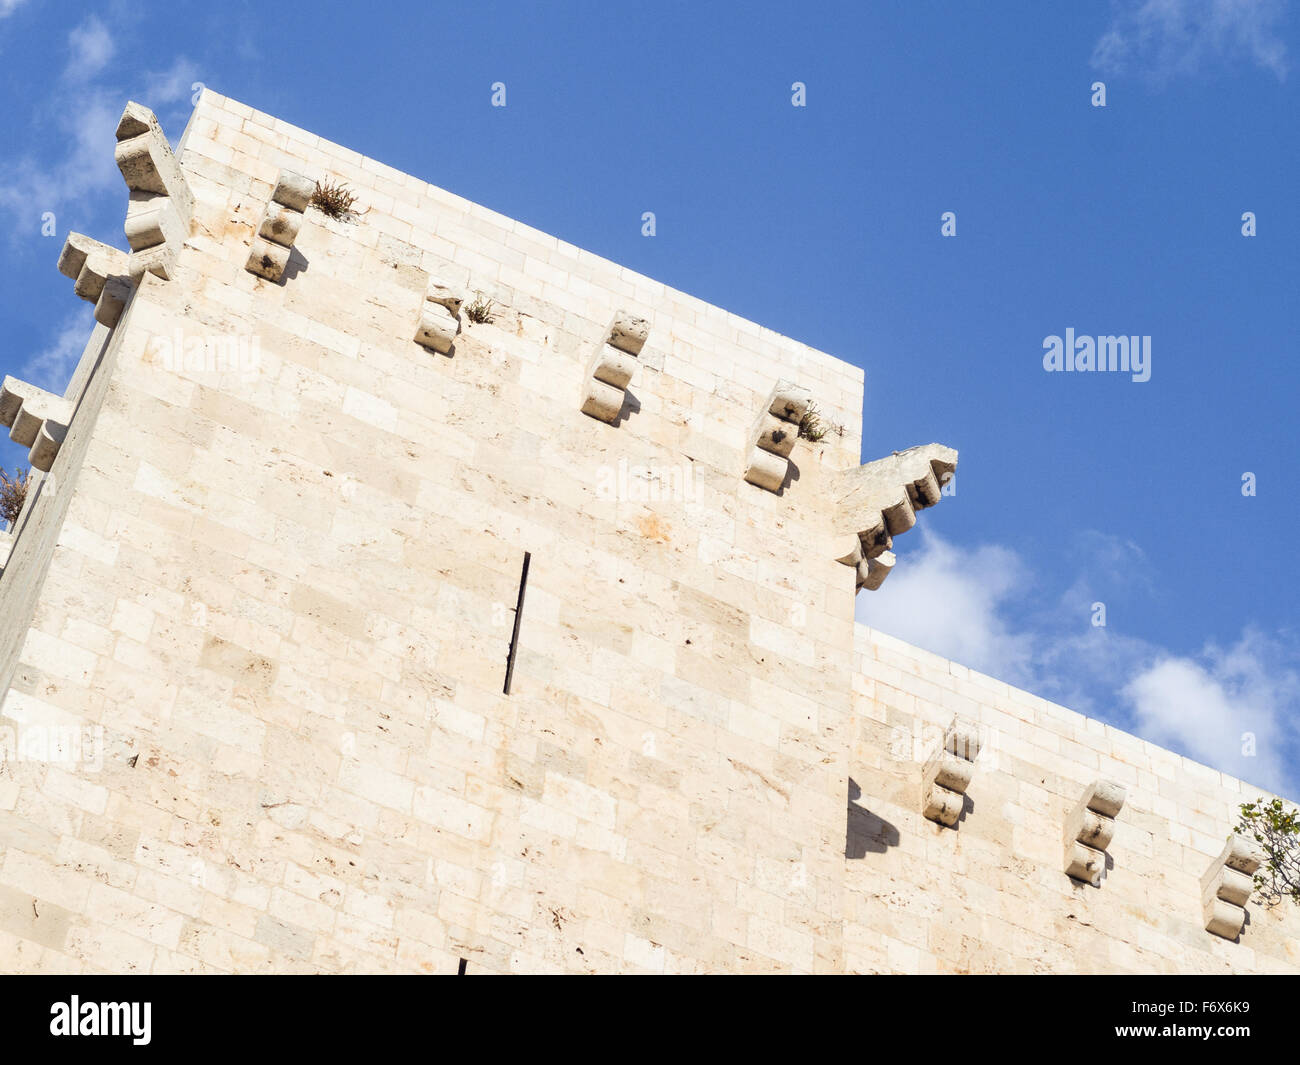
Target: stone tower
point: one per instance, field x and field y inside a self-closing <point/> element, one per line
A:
<point x="409" y="590"/>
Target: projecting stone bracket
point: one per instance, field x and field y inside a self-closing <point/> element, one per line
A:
<point x="1089" y="829"/>
<point x="101" y="275"/>
<point x="1227" y="884"/>
<point x="439" y="318"/>
<point x="280" y="226"/>
<point x="879" y="500"/>
<point x="774" y="435"/>
<point x="611" y="367"/>
<point x="947" y="774"/>
<point x="37" y="420"/>
<point x="160" y="211"/>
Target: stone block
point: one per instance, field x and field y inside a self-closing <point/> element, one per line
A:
<point x="775" y="435"/>
<point x="268" y="260"/>
<point x="789" y="401"/>
<point x="1084" y="863"/>
<point x="602" y="401"/>
<point x="293" y="190"/>
<point x="438" y="327"/>
<point x="280" y="224"/>
<point x="612" y="366"/>
<point x="942" y="805"/>
<point x="766" y="470"/>
<point x="628" y="333"/>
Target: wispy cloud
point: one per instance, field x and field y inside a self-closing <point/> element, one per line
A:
<point x="74" y="167"/>
<point x="985" y="608"/>
<point x="1162" y="39"/>
<point x="52" y="367"/>
<point x="1228" y="709"/>
<point x="90" y="47"/>
<point x="8" y="7"/>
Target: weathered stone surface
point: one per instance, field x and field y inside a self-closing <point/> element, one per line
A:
<point x="1227" y="885"/>
<point x="628" y="333"/>
<point x="602" y="401"/>
<point x="438" y="327"/>
<point x="1224" y="919"/>
<point x="1084" y="863"/>
<point x="280" y="224"/>
<point x="160" y="209"/>
<point x="766" y="470"/>
<point x="947" y="773"/>
<point x="37" y="419"/>
<point x="612" y="365"/>
<point x="1089" y="829"/>
<point x="268" y="260"/>
<point x="789" y="401"/>
<point x="90" y="264"/>
<point x="293" y="191"/>
<point x="879" y="500"/>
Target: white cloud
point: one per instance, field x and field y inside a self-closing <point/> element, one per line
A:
<point x="1209" y="709"/>
<point x="52" y="367"/>
<point x="983" y="608"/>
<point x="90" y="47"/>
<point x="8" y="7"/>
<point x="1164" y="38"/>
<point x="172" y="86"/>
<point x="75" y="166"/>
<point x="949" y="601"/>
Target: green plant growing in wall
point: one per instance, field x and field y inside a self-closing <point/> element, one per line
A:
<point x="1276" y="828"/>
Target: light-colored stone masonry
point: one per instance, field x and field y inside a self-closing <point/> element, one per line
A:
<point x="273" y="570"/>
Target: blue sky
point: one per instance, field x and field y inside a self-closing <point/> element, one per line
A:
<point x="823" y="222"/>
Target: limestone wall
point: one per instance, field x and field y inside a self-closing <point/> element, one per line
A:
<point x="284" y="591"/>
<point x="990" y="895"/>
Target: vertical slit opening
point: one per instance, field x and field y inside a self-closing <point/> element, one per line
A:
<point x="519" y="613"/>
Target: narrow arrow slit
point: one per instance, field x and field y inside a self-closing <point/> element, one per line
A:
<point x="519" y="613"/>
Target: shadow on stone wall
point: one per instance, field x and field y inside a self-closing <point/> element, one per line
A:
<point x="864" y="831"/>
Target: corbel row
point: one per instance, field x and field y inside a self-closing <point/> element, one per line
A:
<point x="159" y="217"/>
<point x="160" y="208"/>
<point x="280" y="225"/>
<point x="774" y="434"/>
<point x="1226" y="886"/>
<point x="611" y="366"/>
<point x="879" y="500"/>
<point x="948" y="772"/>
<point x="37" y="420"/>
<point x="100" y="274"/>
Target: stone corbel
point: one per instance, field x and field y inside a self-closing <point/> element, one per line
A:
<point x="611" y="367"/>
<point x="280" y="225"/>
<point x="160" y="210"/>
<point x="879" y="500"/>
<point x="1089" y="830"/>
<point x="37" y="420"/>
<point x="439" y="318"/>
<point x="947" y="774"/>
<point x="1227" y="884"/>
<point x="101" y="275"/>
<point x="774" y="434"/>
